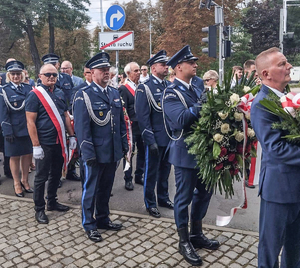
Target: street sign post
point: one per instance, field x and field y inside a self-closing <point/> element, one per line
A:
<point x="116" y="40"/>
<point x="115" y="17"/>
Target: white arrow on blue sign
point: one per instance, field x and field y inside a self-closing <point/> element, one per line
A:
<point x="115" y="17"/>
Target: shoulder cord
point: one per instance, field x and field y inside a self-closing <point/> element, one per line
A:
<point x="151" y="100"/>
<point x="8" y="103"/>
<point x="97" y="121"/>
<point x="162" y="106"/>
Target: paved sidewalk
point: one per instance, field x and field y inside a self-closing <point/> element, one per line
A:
<point x="143" y="242"/>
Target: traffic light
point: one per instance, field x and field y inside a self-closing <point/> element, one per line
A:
<point x="211" y="40"/>
<point x="227" y="48"/>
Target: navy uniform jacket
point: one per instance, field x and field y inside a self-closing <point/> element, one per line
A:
<point x="64" y="82"/>
<point x="3" y="80"/>
<point x="14" y="122"/>
<point x="279" y="180"/>
<point x="178" y="118"/>
<point x="104" y="143"/>
<point x="46" y="130"/>
<point x="151" y="121"/>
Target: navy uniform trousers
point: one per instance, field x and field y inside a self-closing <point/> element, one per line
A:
<point x="157" y="170"/>
<point x="105" y="174"/>
<point x="186" y="181"/>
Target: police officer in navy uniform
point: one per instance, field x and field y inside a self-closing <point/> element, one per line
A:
<point x="65" y="83"/>
<point x="17" y="142"/>
<point x="101" y="133"/>
<point x="150" y="119"/>
<point x="181" y="107"/>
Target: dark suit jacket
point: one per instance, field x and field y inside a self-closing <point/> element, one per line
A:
<point x="280" y="165"/>
<point x="3" y="80"/>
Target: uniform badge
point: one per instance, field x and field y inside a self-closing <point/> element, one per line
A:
<point x="155" y="81"/>
<point x="101" y="113"/>
<point x="15" y="104"/>
<point x="159" y="104"/>
<point x="182" y="88"/>
<point x="95" y="89"/>
<point x="158" y="90"/>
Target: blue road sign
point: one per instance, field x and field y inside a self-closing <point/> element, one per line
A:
<point x="115" y="17"/>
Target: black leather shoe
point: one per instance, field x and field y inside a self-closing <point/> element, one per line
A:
<point x="18" y="194"/>
<point x="186" y="249"/>
<point x="110" y="226"/>
<point x="73" y="177"/>
<point x="167" y="204"/>
<point x="139" y="181"/>
<point x="249" y="186"/>
<point x="129" y="185"/>
<point x="94" y="235"/>
<point x="154" y="212"/>
<point x="58" y="207"/>
<point x="41" y="217"/>
<point x="201" y="241"/>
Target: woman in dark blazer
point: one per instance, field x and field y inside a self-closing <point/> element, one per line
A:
<point x="14" y="126"/>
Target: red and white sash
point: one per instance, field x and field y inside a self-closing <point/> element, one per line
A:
<point x="131" y="87"/>
<point x="56" y="119"/>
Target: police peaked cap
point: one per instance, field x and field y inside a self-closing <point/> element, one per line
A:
<point x="50" y="58"/>
<point x="160" y="56"/>
<point x="14" y="66"/>
<point x="100" y="60"/>
<point x="182" y="55"/>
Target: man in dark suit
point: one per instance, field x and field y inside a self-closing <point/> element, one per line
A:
<point x="181" y="107"/>
<point x="127" y="92"/>
<point x="150" y="118"/>
<point x="101" y="133"/>
<point x="279" y="182"/>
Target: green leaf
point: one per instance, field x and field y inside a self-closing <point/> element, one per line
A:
<point x="216" y="150"/>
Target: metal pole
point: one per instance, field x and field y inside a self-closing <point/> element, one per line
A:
<point x="281" y="30"/>
<point x="117" y="64"/>
<point x="101" y="17"/>
<point x="221" y="67"/>
<point x="150" y="27"/>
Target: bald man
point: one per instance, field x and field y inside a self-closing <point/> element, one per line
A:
<point x="67" y="67"/>
<point x="279" y="183"/>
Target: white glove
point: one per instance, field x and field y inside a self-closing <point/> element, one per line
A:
<point x="72" y="143"/>
<point x="38" y="152"/>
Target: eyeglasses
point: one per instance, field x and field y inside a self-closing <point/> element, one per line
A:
<point x="65" y="68"/>
<point x="49" y="74"/>
<point x="144" y="69"/>
<point x="13" y="74"/>
<point x="136" y="70"/>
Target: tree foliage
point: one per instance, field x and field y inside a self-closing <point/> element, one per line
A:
<point x="261" y="20"/>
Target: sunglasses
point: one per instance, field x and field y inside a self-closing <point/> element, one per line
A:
<point x="144" y="69"/>
<point x="13" y="74"/>
<point x="49" y="74"/>
<point x="206" y="80"/>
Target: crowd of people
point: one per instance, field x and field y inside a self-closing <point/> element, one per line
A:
<point x="149" y="116"/>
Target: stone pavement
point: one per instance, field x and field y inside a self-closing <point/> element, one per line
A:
<point x="143" y="242"/>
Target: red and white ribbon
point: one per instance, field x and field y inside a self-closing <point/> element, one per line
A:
<point x="290" y="102"/>
<point x="129" y="139"/>
<point x="56" y="119"/>
<point x="245" y="103"/>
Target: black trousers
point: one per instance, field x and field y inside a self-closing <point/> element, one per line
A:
<point x="49" y="168"/>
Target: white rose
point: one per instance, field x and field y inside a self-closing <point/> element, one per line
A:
<point x="234" y="98"/>
<point x="239" y="136"/>
<point x="225" y="128"/>
<point x="250" y="133"/>
<point x="223" y="116"/>
<point x="248" y="116"/>
<point x="246" y="89"/>
<point x="218" y="137"/>
<point x="238" y="116"/>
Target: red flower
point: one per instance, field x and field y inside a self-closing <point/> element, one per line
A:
<point x="234" y="162"/>
<point x="219" y="166"/>
<point x="239" y="149"/>
<point x="235" y="172"/>
<point x="223" y="152"/>
<point x="231" y="157"/>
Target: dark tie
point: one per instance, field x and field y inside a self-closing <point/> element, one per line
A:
<point x="164" y="83"/>
<point x="19" y="88"/>
<point x="106" y="93"/>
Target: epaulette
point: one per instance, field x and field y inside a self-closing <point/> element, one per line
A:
<point x="171" y="85"/>
<point x="147" y="80"/>
<point x="6" y="85"/>
<point x="84" y="88"/>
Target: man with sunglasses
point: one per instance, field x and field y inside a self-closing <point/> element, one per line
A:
<point x="150" y="118"/>
<point x="101" y="132"/>
<point x="47" y="119"/>
<point x="181" y="105"/>
<point x="144" y="74"/>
